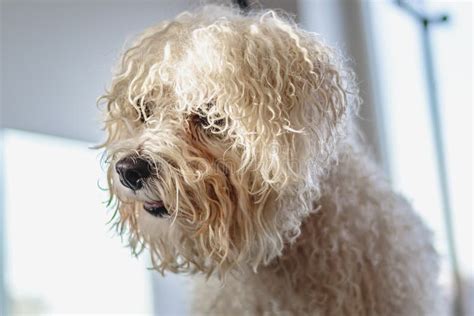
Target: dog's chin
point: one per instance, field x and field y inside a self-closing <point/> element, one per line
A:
<point x="155" y="208"/>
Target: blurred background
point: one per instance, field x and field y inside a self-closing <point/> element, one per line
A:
<point x="57" y="253"/>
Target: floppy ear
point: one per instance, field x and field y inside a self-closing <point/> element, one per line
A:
<point x="294" y="97"/>
<point x="285" y="93"/>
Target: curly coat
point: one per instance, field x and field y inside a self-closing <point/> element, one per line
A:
<point x="247" y="121"/>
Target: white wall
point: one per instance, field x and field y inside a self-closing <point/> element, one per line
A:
<point x="3" y="293"/>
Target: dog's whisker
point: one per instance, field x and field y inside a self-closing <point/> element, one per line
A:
<point x="176" y="207"/>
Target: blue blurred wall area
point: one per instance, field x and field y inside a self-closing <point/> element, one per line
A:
<point x="57" y="58"/>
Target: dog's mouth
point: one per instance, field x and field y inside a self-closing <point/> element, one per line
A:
<point x="155" y="208"/>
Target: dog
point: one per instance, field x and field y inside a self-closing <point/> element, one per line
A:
<point x="233" y="156"/>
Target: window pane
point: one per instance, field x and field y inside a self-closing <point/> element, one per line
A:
<point x="452" y="44"/>
<point x="61" y="255"/>
<point x="401" y="71"/>
<point x="405" y="105"/>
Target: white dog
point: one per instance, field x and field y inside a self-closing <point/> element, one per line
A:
<point x="232" y="156"/>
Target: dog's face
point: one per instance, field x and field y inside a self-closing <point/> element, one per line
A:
<point x="219" y="126"/>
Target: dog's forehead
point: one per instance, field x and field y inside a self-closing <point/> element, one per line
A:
<point x="252" y="68"/>
<point x="207" y="62"/>
<point x="217" y="37"/>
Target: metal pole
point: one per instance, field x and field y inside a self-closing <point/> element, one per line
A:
<point x="425" y="22"/>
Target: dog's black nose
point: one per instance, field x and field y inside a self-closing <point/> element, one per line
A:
<point x="133" y="171"/>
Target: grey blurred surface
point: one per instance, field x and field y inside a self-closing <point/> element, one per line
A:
<point x="57" y="58"/>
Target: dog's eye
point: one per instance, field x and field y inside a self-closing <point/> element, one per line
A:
<point x="206" y="122"/>
<point x="145" y="110"/>
<point x="210" y="123"/>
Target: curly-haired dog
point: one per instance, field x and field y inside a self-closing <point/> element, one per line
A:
<point x="231" y="153"/>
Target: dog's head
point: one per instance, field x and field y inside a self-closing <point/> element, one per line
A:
<point x="219" y="126"/>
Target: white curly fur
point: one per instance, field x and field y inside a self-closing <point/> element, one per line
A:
<point x="246" y="120"/>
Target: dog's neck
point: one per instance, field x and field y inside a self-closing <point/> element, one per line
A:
<point x="321" y="235"/>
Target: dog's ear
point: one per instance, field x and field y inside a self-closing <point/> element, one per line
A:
<point x="284" y="92"/>
<point x="294" y="97"/>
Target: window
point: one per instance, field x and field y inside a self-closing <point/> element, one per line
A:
<point x="401" y="73"/>
<point x="61" y="257"/>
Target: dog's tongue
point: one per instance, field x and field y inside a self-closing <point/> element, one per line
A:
<point x="153" y="204"/>
<point x="155" y="208"/>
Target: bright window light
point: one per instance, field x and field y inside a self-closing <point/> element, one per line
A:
<point x="401" y="73"/>
<point x="61" y="256"/>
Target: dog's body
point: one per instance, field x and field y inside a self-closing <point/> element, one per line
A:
<point x="363" y="252"/>
<point x="232" y="155"/>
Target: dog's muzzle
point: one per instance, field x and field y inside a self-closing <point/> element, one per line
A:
<point x="133" y="171"/>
